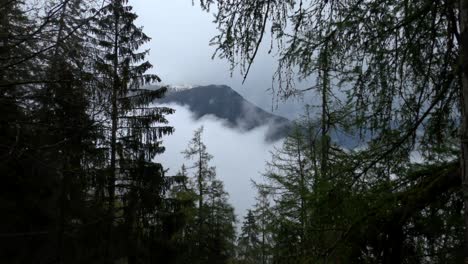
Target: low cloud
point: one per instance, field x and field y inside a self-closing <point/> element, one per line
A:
<point x="239" y="156"/>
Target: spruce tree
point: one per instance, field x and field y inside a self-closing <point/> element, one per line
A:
<point x="58" y="83"/>
<point x="134" y="136"/>
<point x="27" y="194"/>
<point x="65" y="103"/>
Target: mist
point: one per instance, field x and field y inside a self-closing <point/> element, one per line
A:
<point x="239" y="156"/>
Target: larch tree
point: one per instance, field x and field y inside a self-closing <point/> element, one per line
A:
<point x="263" y="214"/>
<point x="204" y="174"/>
<point x="400" y="66"/>
<point x="221" y="224"/>
<point x="214" y="233"/>
<point x="290" y="178"/>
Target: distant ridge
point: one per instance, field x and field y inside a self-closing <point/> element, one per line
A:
<point x="225" y="103"/>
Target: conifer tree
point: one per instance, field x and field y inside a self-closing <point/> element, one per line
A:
<point x="58" y="84"/>
<point x="183" y="198"/>
<point x="65" y="101"/>
<point x="290" y="176"/>
<point x="220" y="224"/>
<point x="214" y="233"/>
<point x="204" y="173"/>
<point x="248" y="243"/>
<point x="48" y="81"/>
<point x="134" y="136"/>
<point x="27" y="193"/>
<point x="264" y="217"/>
<point x="400" y="65"/>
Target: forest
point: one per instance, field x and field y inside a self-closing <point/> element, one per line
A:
<point x="80" y="135"/>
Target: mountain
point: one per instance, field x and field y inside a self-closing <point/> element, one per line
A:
<point x="225" y="103"/>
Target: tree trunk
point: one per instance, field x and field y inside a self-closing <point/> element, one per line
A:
<point x="64" y="175"/>
<point x="4" y="43"/>
<point x="464" y="104"/>
<point x="302" y="195"/>
<point x="325" y="123"/>
<point x="113" y="143"/>
<point x="200" y="196"/>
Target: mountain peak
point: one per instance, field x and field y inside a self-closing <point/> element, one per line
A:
<point x="225" y="103"/>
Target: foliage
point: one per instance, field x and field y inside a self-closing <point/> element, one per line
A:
<point x="313" y="219"/>
<point x="213" y="226"/>
<point x="388" y="73"/>
<point x="60" y="77"/>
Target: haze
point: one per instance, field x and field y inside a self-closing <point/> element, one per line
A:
<point x="236" y="163"/>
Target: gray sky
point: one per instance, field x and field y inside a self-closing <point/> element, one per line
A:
<point x="181" y="53"/>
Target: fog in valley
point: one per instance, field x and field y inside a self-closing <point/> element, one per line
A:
<point x="133" y="131"/>
<point x="239" y="156"/>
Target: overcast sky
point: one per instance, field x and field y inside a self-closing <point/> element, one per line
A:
<point x="181" y="53"/>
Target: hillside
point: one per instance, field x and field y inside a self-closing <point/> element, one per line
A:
<point x="225" y="103"/>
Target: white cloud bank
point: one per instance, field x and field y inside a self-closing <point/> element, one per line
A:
<point x="238" y="156"/>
